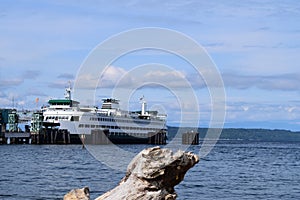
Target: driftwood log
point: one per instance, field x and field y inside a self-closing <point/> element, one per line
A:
<point x="151" y="175"/>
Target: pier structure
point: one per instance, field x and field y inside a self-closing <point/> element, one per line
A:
<point x="14" y="135"/>
<point x="190" y="138"/>
<point x="17" y="138"/>
<point x="51" y="136"/>
<point x="43" y="133"/>
<point x="36" y="127"/>
<point x="13" y="120"/>
<point x="4" y="119"/>
<point x="159" y="138"/>
<point x="97" y="137"/>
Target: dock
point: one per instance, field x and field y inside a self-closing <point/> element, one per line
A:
<point x="17" y="138"/>
<point x="12" y="135"/>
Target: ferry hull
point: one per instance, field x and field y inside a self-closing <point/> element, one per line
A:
<point x="127" y="139"/>
<point x="104" y="137"/>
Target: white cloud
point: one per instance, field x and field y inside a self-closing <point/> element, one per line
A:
<point x="261" y="112"/>
<point x="118" y="77"/>
<point x="5" y="83"/>
<point x="111" y="76"/>
<point x="67" y="76"/>
<point x="4" y="102"/>
<point x="283" y="82"/>
<point x="31" y="74"/>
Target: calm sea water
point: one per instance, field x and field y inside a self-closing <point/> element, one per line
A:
<point x="232" y="170"/>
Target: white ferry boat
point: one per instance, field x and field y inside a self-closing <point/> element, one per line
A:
<point x="119" y="126"/>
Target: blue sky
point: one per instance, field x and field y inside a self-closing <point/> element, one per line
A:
<point x="255" y="45"/>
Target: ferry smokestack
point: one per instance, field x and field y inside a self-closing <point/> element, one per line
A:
<point x="68" y="92"/>
<point x="144" y="105"/>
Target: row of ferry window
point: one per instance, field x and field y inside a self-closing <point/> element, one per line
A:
<point x="113" y="127"/>
<point x="125" y="134"/>
<point x="57" y="117"/>
<point x="118" y="120"/>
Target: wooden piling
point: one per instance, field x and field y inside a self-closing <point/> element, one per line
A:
<point x="190" y="138"/>
<point x="157" y="137"/>
<point x="97" y="137"/>
<point x="51" y="136"/>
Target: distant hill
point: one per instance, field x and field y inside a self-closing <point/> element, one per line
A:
<point x="264" y="135"/>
